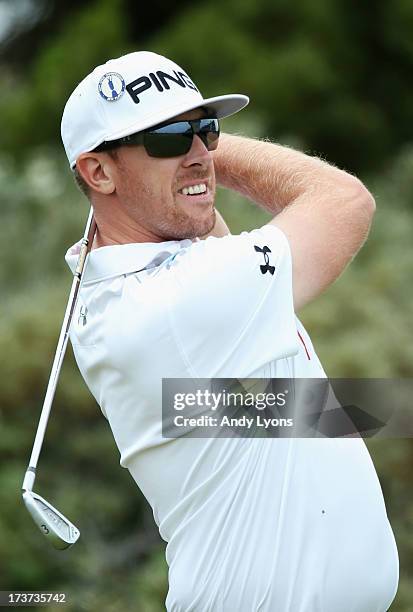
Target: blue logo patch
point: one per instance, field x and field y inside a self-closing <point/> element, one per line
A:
<point x="112" y="86"/>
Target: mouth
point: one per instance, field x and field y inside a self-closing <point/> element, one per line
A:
<point x="198" y="192"/>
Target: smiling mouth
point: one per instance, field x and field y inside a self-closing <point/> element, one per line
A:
<point x="194" y="190"/>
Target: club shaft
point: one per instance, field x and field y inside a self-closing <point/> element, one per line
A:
<point x="86" y="246"/>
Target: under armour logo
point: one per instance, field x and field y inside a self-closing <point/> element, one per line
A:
<point x="266" y="267"/>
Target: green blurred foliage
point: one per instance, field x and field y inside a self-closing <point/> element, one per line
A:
<point x="32" y="104"/>
<point x="325" y="75"/>
<point x="332" y="74"/>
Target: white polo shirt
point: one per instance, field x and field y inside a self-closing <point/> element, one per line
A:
<point x="251" y="524"/>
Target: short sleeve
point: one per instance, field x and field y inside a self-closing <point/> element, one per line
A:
<point x="231" y="303"/>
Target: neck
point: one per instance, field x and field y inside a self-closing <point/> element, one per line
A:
<point x="120" y="229"/>
<point x="128" y="236"/>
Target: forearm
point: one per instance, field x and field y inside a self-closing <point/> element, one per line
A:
<point x="274" y="176"/>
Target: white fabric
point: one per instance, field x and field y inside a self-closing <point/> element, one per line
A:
<point x="89" y="118"/>
<point x="285" y="525"/>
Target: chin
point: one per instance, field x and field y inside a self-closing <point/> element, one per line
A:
<point x="183" y="226"/>
<point x="206" y="226"/>
<point x="192" y="229"/>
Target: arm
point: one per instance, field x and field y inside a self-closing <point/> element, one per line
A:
<point x="324" y="212"/>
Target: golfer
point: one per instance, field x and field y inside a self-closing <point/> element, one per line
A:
<point x="251" y="524"/>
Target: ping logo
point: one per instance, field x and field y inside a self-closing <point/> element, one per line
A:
<point x="111" y="86"/>
<point x="266" y="267"/>
<point x="161" y="80"/>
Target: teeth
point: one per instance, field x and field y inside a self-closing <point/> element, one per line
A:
<point x="194" y="189"/>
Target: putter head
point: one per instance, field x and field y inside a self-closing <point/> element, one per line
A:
<point x="56" y="527"/>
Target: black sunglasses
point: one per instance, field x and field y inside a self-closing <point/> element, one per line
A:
<point x="170" y="139"/>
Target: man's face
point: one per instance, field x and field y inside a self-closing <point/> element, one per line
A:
<point x="150" y="189"/>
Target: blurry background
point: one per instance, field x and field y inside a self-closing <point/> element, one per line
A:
<point x="333" y="77"/>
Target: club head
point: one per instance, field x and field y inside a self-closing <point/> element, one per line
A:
<point x="56" y="527"/>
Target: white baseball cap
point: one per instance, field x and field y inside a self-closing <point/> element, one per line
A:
<point x="130" y="94"/>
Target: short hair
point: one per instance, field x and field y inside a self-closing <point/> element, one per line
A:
<point x="80" y="181"/>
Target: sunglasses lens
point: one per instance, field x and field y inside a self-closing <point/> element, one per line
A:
<point x="169" y="141"/>
<point x="209" y="133"/>
<point x="175" y="139"/>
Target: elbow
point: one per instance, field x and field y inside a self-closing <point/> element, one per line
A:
<point x="367" y="201"/>
<point x="359" y="195"/>
<point x="352" y="193"/>
<point x="366" y="209"/>
<point x="360" y="208"/>
<point x="360" y="202"/>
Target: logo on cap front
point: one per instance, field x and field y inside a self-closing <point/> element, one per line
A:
<point x="111" y="86"/>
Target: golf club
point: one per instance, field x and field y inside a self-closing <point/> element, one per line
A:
<point x="54" y="525"/>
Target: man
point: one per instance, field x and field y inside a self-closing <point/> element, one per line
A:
<point x="295" y="525"/>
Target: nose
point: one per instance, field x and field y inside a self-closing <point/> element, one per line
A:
<point x="198" y="154"/>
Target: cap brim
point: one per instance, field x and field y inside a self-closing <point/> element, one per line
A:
<point x="224" y="106"/>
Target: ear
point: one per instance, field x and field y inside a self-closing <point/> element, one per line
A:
<point x="97" y="171"/>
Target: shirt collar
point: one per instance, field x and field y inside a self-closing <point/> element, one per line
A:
<point x="110" y="261"/>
